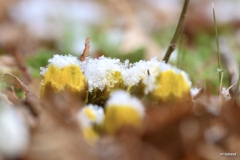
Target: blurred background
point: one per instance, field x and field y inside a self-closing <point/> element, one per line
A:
<point x="34" y="30"/>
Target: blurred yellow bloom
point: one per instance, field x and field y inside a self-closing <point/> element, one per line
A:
<point x="90" y="114"/>
<point x="170" y="86"/>
<point x="119" y="116"/>
<point x="91" y="118"/>
<point x="90" y="134"/>
<point x="122" y="110"/>
<point x="69" y="77"/>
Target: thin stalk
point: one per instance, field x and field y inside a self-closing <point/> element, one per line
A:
<point x="220" y="100"/>
<point x="221" y="81"/>
<point x="217" y="42"/>
<point x="177" y="33"/>
<point x="220" y="72"/>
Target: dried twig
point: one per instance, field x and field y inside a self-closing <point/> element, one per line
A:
<point x="12" y="80"/>
<point x="177" y="33"/>
<point x="12" y="96"/>
<point x="21" y="65"/>
<point x="86" y="50"/>
<point x="30" y="97"/>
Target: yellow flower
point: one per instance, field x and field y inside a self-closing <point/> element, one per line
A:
<point x="99" y="97"/>
<point x="91" y="118"/>
<point x="170" y="86"/>
<point x="118" y="116"/>
<point x="104" y="76"/>
<point x="122" y="110"/>
<point x="67" y="77"/>
<point x="135" y="75"/>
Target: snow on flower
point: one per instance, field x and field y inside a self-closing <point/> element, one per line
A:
<point x="139" y="71"/>
<point x="157" y="78"/>
<point x="90" y="118"/>
<point x="102" y="72"/>
<point x="63" y="72"/>
<point x="105" y="75"/>
<point x="122" y="109"/>
<point x="91" y="114"/>
<point x="60" y="61"/>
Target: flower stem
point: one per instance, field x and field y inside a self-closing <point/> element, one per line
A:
<point x="217" y="42"/>
<point x="177" y="33"/>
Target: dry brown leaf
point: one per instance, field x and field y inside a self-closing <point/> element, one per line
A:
<point x="30" y="97"/>
<point x="12" y="80"/>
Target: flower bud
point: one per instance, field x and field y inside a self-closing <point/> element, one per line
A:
<point x="170" y="86"/>
<point x="104" y="76"/>
<point x="64" y="73"/>
<point x="121" y="110"/>
<point x="91" y="118"/>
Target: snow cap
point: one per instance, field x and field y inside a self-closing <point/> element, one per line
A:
<point x="61" y="61"/>
<point x="97" y="71"/>
<point x="91" y="114"/>
<point x="122" y="98"/>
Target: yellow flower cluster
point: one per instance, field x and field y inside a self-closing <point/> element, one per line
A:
<point x="101" y="79"/>
<point x="121" y="110"/>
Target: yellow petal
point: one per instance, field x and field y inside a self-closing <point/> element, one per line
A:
<point x="90" y="114"/>
<point x="119" y="116"/>
<point x="90" y="135"/>
<point x="170" y="85"/>
<point x="73" y="78"/>
<point x="70" y="77"/>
